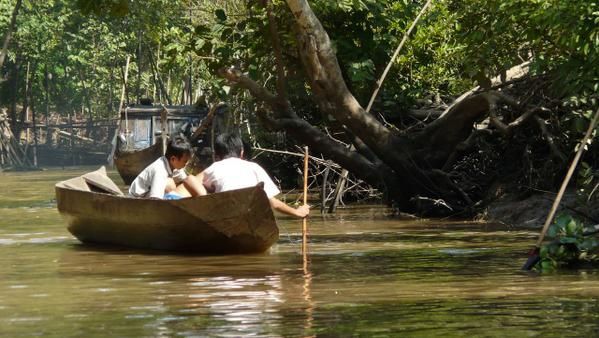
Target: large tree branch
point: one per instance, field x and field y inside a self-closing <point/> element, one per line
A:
<point x="442" y="136"/>
<point x="235" y="76"/>
<point x="340" y="154"/>
<point x="312" y="136"/>
<point x="326" y="79"/>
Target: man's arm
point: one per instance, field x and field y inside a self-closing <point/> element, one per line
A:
<point x="300" y="212"/>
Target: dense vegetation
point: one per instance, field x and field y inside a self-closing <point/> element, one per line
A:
<point x="69" y="57"/>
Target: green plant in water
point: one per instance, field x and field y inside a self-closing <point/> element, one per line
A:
<point x="571" y="243"/>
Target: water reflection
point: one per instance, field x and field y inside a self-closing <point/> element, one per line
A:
<point x="361" y="274"/>
<point x="307" y="287"/>
<point x="240" y="294"/>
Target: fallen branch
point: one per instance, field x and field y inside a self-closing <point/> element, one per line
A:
<point x="312" y="158"/>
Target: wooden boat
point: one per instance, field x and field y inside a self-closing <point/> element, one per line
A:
<point x="237" y="221"/>
<point x="142" y="128"/>
<point x="130" y="163"/>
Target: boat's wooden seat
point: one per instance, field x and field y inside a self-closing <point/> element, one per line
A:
<point x="95" y="181"/>
<point x="98" y="179"/>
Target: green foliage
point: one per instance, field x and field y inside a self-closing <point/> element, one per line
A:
<point x="113" y="7"/>
<point x="83" y="46"/>
<point x="559" y="36"/>
<point x="588" y="183"/>
<point x="84" y="43"/>
<point x="568" y="245"/>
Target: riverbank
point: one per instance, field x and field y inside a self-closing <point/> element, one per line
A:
<point x="531" y="212"/>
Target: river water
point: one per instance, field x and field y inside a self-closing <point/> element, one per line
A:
<point x="365" y="275"/>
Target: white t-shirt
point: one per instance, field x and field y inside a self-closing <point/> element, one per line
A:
<point x="234" y="173"/>
<point x="151" y="182"/>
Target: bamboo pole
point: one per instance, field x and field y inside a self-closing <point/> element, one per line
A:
<point x="124" y="86"/>
<point x="562" y="189"/>
<point x="534" y="253"/>
<point x="122" y="101"/>
<point x="305" y="219"/>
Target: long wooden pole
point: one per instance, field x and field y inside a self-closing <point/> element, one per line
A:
<point x="119" y="126"/>
<point x="306" y="262"/>
<point x="562" y="189"/>
<point x="123" y="100"/>
<point x="124" y="87"/>
<point x="305" y="220"/>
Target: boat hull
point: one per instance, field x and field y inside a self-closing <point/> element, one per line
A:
<point x="232" y="222"/>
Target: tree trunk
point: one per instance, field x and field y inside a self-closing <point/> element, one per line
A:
<point x="35" y="132"/>
<point x="9" y="31"/>
<point x="139" y="56"/>
<point x="26" y="96"/>
<point x="13" y="95"/>
<point x="87" y="103"/>
<point x="110" y="105"/>
<point x="407" y="165"/>
<point x="157" y="77"/>
<point x="47" y="112"/>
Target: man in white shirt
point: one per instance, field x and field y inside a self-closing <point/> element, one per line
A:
<point x="231" y="171"/>
<point x="155" y="180"/>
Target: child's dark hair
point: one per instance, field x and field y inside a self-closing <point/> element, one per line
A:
<point x="178" y="147"/>
<point x="227" y="145"/>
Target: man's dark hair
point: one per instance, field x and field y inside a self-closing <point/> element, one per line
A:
<point x="228" y="145"/>
<point x="177" y="147"/>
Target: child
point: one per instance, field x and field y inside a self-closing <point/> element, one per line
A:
<point x="230" y="172"/>
<point x="155" y="180"/>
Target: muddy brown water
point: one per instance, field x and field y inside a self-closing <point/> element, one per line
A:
<point x="368" y="275"/>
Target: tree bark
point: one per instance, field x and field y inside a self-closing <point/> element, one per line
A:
<point x="407" y="165"/>
<point x="306" y="133"/>
<point x="13" y="94"/>
<point x="27" y="94"/>
<point x="9" y="31"/>
<point x="158" y="78"/>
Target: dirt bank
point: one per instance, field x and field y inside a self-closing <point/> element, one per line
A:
<point x="530" y="212"/>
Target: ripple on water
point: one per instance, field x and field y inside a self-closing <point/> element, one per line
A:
<point x="368" y="276"/>
<point x="34" y="240"/>
<point x="456" y="251"/>
<point x="26" y="319"/>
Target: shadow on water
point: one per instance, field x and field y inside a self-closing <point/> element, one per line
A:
<point x="365" y="274"/>
<point x="114" y="262"/>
